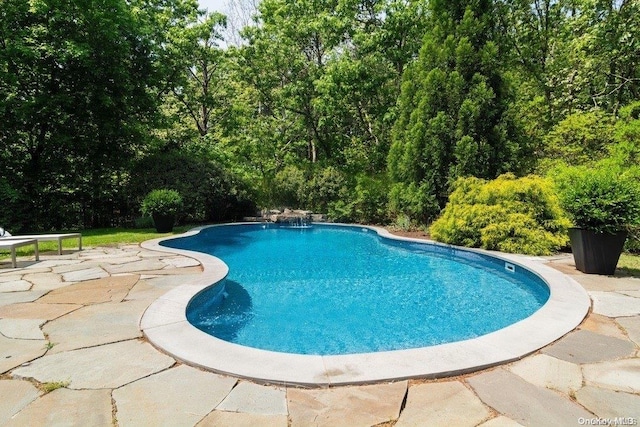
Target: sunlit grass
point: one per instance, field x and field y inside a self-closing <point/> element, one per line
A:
<point x="630" y="264"/>
<point x="100" y="237"/>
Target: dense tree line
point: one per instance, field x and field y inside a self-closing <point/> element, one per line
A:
<point x="366" y="110"/>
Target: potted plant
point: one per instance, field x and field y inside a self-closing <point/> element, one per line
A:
<point x="163" y="206"/>
<point x="603" y="205"/>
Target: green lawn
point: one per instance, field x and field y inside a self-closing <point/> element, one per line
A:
<point x="630" y="264"/>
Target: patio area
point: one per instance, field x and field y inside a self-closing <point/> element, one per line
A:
<point x="72" y="353"/>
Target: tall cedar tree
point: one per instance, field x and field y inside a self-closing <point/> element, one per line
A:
<point x="453" y="117"/>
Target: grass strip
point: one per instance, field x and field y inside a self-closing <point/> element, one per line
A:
<point x="101" y="237"/>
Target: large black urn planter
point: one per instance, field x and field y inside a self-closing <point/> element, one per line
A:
<point x="596" y="253"/>
<point x="164" y="223"/>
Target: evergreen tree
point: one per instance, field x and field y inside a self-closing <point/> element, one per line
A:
<point x="453" y="116"/>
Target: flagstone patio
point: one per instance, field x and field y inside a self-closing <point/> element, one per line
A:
<point x="71" y="353"/>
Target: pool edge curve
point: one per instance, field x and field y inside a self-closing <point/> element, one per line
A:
<point x="165" y="325"/>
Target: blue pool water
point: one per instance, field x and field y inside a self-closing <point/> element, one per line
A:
<point x="341" y="290"/>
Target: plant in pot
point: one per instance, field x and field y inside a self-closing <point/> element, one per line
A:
<point x="603" y="205"/>
<point x="163" y="206"/>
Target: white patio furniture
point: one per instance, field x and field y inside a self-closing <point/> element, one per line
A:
<point x="13" y="244"/>
<point x="49" y="238"/>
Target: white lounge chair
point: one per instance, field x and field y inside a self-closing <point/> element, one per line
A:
<point x="44" y="238"/>
<point x="13" y="244"/>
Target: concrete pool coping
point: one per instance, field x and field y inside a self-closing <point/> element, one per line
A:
<point x="165" y="325"/>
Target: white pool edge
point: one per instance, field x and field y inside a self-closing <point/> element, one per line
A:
<point x="165" y="325"/>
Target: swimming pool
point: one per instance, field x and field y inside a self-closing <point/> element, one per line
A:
<point x="343" y="290"/>
<point x="166" y="326"/>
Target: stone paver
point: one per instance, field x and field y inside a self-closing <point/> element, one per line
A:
<point x="106" y="255"/>
<point x="23" y="262"/>
<point x="609" y="403"/>
<point x="500" y="421"/>
<point x="4" y="277"/>
<point x="602" y="325"/>
<point x="34" y="268"/>
<point x="15" y="352"/>
<point x="24" y="329"/>
<point x="612" y="304"/>
<point x="635" y="294"/>
<point x="524" y="402"/>
<point x="597" y="283"/>
<point x="180" y="261"/>
<point x="109" y="289"/>
<point x="172" y="271"/>
<point x="441" y="404"/>
<point x="588" y="347"/>
<point x="236" y="419"/>
<point x="117" y="260"/>
<point x="176" y="397"/>
<point x="549" y="372"/>
<point x="255" y="399"/>
<point x="346" y="406"/>
<point x="15" y="286"/>
<point x="105" y="366"/>
<point x="87" y="274"/>
<point x="96" y="324"/>
<point x="622" y="375"/>
<point x="45" y="281"/>
<point x="64" y="407"/>
<point x="170" y="282"/>
<point x="57" y="262"/>
<point x="145" y="291"/>
<point x="9" y="298"/>
<point x="142" y="265"/>
<point x="15" y="396"/>
<point x="36" y="310"/>
<point x="632" y="326"/>
<point x="75" y="266"/>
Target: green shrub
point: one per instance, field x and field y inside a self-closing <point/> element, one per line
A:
<point x="415" y="201"/>
<point x="371" y="199"/>
<point x="327" y="185"/>
<point x="402" y="222"/>
<point x="580" y="139"/>
<point x="162" y="202"/>
<point x="601" y="200"/>
<point x="317" y="189"/>
<point x="508" y="214"/>
<point x="366" y="203"/>
<point x="143" y="222"/>
<point x="289" y="188"/>
<point x="209" y="192"/>
<point x="340" y="211"/>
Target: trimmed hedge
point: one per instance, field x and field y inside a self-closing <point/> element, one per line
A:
<point x="508" y="214"/>
<point x="162" y="202"/>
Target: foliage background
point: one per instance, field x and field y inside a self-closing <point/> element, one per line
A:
<point x="368" y="111"/>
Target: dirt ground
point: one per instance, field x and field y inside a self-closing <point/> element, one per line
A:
<point x="415" y="234"/>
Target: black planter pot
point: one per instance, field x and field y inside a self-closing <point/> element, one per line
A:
<point x="596" y="253"/>
<point x="164" y="223"/>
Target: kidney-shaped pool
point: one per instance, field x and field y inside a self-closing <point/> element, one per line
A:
<point x="341" y="290"/>
<point x="331" y="290"/>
